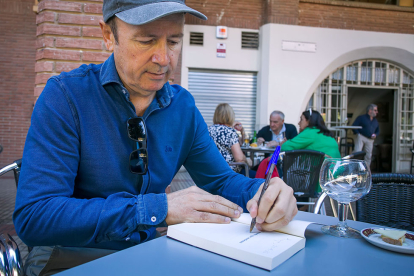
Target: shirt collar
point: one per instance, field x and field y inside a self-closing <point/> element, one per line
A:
<point x="281" y="131"/>
<point x="108" y="74"/>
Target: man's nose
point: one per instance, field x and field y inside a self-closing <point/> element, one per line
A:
<point x="161" y="54"/>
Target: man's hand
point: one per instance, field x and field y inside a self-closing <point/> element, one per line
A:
<point x="272" y="144"/>
<point x="260" y="140"/>
<point x="373" y="136"/>
<point x="277" y="206"/>
<point x="196" y="205"/>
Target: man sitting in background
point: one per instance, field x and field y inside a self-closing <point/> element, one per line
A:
<point x="277" y="132"/>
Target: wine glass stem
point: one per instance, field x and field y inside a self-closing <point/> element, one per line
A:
<point x="342" y="215"/>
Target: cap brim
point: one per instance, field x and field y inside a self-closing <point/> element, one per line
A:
<point x="150" y="12"/>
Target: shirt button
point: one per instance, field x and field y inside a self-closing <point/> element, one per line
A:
<point x="153" y="219"/>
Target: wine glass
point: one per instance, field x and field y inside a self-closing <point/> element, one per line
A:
<point x="345" y="181"/>
<point x="246" y="140"/>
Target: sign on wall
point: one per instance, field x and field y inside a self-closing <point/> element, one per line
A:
<point x="221" y="32"/>
<point x="221" y="50"/>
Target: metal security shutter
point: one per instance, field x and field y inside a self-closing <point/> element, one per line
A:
<point x="210" y="88"/>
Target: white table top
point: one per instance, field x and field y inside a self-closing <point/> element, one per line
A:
<point x="346" y="127"/>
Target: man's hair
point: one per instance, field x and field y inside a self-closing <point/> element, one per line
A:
<point x="370" y="107"/>
<point x="277" y="112"/>
<point x="112" y="24"/>
<point x="224" y="115"/>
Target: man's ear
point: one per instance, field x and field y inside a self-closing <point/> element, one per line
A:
<point x="108" y="36"/>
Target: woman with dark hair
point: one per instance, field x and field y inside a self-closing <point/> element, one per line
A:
<point x="313" y="135"/>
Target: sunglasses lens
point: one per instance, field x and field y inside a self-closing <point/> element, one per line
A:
<point x="136" y="129"/>
<point x="138" y="161"/>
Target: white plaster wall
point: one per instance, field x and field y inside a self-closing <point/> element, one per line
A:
<point x="293" y="76"/>
<point x="205" y="57"/>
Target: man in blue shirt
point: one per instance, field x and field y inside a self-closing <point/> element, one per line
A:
<point x="106" y="140"/>
<point x="369" y="131"/>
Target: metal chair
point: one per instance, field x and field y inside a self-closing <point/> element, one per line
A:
<point x="10" y="260"/>
<point x="358" y="155"/>
<point x="246" y="167"/>
<point x="15" y="167"/>
<point x="347" y="143"/>
<point x="412" y="159"/>
<point x="390" y="202"/>
<point x="301" y="170"/>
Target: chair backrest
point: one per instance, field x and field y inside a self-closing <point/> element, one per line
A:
<point x="301" y="170"/>
<point x="358" y="155"/>
<point x="390" y="201"/>
<point x="15" y="167"/>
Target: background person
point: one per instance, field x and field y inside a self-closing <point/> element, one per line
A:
<point x="277" y="132"/>
<point x="370" y="129"/>
<point x="226" y="137"/>
<point x="82" y="193"/>
<point x="313" y="135"/>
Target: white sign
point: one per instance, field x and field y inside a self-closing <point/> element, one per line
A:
<point x="299" y="46"/>
<point x="221" y="50"/>
<point x="221" y="32"/>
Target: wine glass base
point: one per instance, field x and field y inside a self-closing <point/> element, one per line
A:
<point x="341" y="232"/>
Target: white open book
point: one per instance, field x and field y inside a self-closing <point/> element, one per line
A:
<point x="262" y="249"/>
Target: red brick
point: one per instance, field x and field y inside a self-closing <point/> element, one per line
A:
<point x="79" y="43"/>
<point x="93" y="8"/>
<point x="67" y="18"/>
<point x="58" y="30"/>
<point x="44" y="42"/>
<point x="57" y="54"/>
<point x="59" y="6"/>
<point x="66" y="66"/>
<point x="44" y="66"/>
<point x="91" y="32"/>
<point x="95" y="56"/>
<point x="42" y="78"/>
<point x="38" y="90"/>
<point x="45" y="17"/>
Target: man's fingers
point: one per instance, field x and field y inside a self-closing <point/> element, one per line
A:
<point x="205" y="217"/>
<point x="218" y="205"/>
<point x="283" y="221"/>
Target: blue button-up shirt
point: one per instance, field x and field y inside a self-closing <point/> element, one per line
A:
<point x="75" y="186"/>
<point x="369" y="126"/>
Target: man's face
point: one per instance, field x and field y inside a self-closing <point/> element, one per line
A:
<point x="373" y="112"/>
<point x="146" y="55"/>
<point x="276" y="123"/>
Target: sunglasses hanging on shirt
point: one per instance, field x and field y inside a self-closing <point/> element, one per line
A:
<point x="138" y="159"/>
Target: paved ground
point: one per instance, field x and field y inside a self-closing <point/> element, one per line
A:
<point x="8" y="193"/>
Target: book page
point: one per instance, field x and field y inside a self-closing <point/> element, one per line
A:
<point x="234" y="240"/>
<point x="295" y="227"/>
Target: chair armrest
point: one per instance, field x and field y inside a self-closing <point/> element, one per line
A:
<point x="319" y="202"/>
<point x="246" y="167"/>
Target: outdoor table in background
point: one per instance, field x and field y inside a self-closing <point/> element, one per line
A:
<point x="346" y="128"/>
<point x="256" y="150"/>
<point x="322" y="255"/>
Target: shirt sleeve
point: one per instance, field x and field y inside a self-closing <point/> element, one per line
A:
<point x="50" y="209"/>
<point x="357" y="123"/>
<point x="301" y="141"/>
<point x="233" y="137"/>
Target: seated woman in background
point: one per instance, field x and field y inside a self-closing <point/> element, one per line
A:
<point x="313" y="135"/>
<point x="226" y="137"/>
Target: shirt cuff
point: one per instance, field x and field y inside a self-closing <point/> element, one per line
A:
<point x="152" y="209"/>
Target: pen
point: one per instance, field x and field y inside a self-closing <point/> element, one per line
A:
<point x="269" y="171"/>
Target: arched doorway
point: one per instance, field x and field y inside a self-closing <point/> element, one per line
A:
<point x="341" y="97"/>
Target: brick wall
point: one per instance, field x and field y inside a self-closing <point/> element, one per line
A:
<point x="68" y="35"/>
<point x="356" y="16"/>
<point x="17" y="56"/>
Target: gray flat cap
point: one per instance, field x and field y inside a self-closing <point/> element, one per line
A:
<point x="139" y="12"/>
